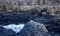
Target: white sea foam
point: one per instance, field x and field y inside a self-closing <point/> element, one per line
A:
<point x="15" y="28"/>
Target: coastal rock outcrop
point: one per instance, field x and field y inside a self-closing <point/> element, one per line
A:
<point x="33" y="28"/>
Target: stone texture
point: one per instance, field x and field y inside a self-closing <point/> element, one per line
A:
<point x="34" y="29"/>
<point x="31" y="29"/>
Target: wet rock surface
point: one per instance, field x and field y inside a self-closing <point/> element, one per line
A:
<point x="31" y="29"/>
<point x="19" y="17"/>
<point x="51" y="24"/>
<point x="34" y="29"/>
<point x="5" y="32"/>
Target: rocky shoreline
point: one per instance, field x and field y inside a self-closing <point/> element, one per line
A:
<point x="30" y="29"/>
<point x="24" y="17"/>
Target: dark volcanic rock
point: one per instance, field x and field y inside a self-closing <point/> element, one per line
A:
<point x="34" y="29"/>
<point x="56" y="22"/>
<point x="6" y="32"/>
<point x="30" y="29"/>
<point x="19" y="17"/>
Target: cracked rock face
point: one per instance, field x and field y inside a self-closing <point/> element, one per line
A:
<point x="30" y="29"/>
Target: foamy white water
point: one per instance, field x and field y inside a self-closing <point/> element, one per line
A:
<point x="15" y="28"/>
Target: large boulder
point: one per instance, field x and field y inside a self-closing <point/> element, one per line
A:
<point x="33" y="29"/>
